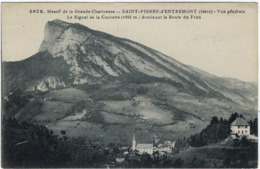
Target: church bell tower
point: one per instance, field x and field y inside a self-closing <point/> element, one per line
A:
<point x="133" y="143"/>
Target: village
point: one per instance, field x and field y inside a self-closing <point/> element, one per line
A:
<point x="223" y="143"/>
<point x="139" y="152"/>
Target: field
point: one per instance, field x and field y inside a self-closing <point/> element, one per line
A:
<point x="117" y="111"/>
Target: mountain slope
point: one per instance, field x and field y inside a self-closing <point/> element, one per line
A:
<point x="122" y="83"/>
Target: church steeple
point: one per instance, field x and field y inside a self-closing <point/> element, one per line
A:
<point x="133" y="142"/>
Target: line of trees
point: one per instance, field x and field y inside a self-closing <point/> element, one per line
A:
<point x="218" y="130"/>
<point x="254" y="126"/>
<point x="28" y="145"/>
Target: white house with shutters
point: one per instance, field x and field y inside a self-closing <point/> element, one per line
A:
<point x="241" y="127"/>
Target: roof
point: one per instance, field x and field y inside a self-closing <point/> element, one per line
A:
<point x="120" y="155"/>
<point x="240" y="122"/>
<point x="144" y="146"/>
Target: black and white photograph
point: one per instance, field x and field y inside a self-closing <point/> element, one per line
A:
<point x="129" y="85"/>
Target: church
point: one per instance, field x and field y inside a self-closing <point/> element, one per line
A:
<point x="142" y="148"/>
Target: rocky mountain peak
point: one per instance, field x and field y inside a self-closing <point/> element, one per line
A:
<point x="59" y="22"/>
<point x="52" y="31"/>
<point x="97" y="57"/>
<point x="60" y="35"/>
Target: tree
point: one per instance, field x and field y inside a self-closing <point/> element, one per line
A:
<point x="178" y="163"/>
<point x="226" y="162"/>
<point x="116" y="150"/>
<point x="146" y="160"/>
<point x="254" y="126"/>
<point x="142" y="90"/>
<point x="16" y="101"/>
<point x="167" y="163"/>
<point x="244" y="142"/>
<point x="63" y="132"/>
<point x="232" y="117"/>
<point x="236" y="142"/>
<point x="214" y="120"/>
<point x="197" y="163"/>
<point x="218" y="130"/>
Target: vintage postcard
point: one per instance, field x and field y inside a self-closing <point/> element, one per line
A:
<point x="129" y="85"/>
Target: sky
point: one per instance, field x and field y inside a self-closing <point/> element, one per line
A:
<point x="221" y="44"/>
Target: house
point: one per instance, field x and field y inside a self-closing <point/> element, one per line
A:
<point x="120" y="158"/>
<point x="142" y="148"/>
<point x="240" y="127"/>
<point x="166" y="148"/>
<point x="132" y="156"/>
<point x="170" y="144"/>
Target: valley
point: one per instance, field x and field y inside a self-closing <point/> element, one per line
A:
<point x="91" y="84"/>
<point x="86" y="97"/>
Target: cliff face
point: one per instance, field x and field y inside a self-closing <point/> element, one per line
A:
<point x="97" y="54"/>
<point x="53" y="29"/>
<point x="49" y="83"/>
